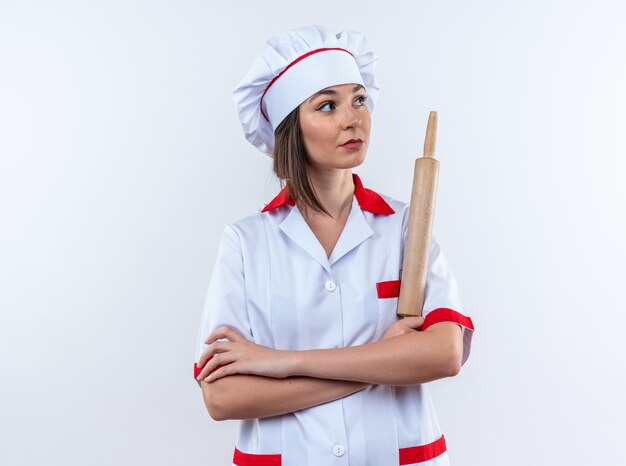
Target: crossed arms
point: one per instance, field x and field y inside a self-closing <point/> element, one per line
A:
<point x="243" y="380"/>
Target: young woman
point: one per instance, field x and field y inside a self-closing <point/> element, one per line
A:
<point x="300" y="337"/>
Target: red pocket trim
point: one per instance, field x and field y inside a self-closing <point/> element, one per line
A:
<point x="248" y="459"/>
<point x="412" y="455"/>
<point x="389" y="289"/>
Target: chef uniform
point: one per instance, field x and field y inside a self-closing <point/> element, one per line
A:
<point x="273" y="282"/>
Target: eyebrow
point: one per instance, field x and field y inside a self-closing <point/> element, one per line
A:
<point x="356" y="88"/>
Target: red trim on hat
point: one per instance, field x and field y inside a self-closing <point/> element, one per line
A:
<point x="389" y="289"/>
<point x="412" y="455"/>
<point x="289" y="66"/>
<point x="368" y="200"/>
<point x="248" y="459"/>
<point x="444" y="314"/>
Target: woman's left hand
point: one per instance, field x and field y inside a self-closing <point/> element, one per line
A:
<point x="237" y="355"/>
<point x="404" y="325"/>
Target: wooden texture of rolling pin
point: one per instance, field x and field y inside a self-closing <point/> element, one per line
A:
<point x="422" y="210"/>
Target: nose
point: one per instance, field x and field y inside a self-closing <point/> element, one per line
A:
<point x="351" y="118"/>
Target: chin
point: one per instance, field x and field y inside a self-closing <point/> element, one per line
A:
<point x="358" y="158"/>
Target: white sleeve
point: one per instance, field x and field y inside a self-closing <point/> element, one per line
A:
<point x="442" y="297"/>
<point x="225" y="303"/>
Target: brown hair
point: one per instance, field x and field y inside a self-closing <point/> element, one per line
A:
<point x="290" y="163"/>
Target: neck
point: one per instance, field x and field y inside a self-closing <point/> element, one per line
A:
<point x="335" y="191"/>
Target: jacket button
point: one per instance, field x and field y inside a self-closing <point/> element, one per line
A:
<point x="338" y="450"/>
<point x="330" y="285"/>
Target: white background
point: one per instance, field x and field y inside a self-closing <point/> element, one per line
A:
<point x="121" y="159"/>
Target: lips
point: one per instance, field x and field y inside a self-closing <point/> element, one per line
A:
<point x="352" y="144"/>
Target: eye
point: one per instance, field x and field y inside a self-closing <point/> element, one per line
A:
<point x="328" y="105"/>
<point x="361" y="100"/>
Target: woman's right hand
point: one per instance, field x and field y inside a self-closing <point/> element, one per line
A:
<point x="229" y="353"/>
<point x="402" y="326"/>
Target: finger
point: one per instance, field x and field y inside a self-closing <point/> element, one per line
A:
<point x="205" y="357"/>
<point x="203" y="369"/>
<point x="214" y="363"/>
<point x="224" y="332"/>
<point x="221" y="359"/>
<point x="413" y="321"/>
<point x="220" y="372"/>
<point x="212" y="349"/>
<point x="217" y="334"/>
<point x="219" y="355"/>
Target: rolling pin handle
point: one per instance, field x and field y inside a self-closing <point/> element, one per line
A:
<point x="431" y="136"/>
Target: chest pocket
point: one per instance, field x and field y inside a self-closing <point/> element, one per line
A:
<point x="388" y="293"/>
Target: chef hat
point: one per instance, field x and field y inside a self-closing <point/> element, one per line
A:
<point x="294" y="65"/>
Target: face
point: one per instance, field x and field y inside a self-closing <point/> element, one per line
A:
<point x="328" y="120"/>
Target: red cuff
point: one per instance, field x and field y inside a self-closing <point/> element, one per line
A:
<point x="443" y="314"/>
<point x="197" y="370"/>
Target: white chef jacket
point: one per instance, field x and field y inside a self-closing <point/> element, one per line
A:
<point x="273" y="282"/>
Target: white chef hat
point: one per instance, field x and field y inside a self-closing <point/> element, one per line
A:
<point x="294" y="65"/>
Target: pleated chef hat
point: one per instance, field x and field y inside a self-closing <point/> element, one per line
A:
<point x="292" y="66"/>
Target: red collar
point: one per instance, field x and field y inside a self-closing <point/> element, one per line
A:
<point x="368" y="200"/>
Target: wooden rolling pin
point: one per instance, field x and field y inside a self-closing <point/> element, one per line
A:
<point x="415" y="265"/>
